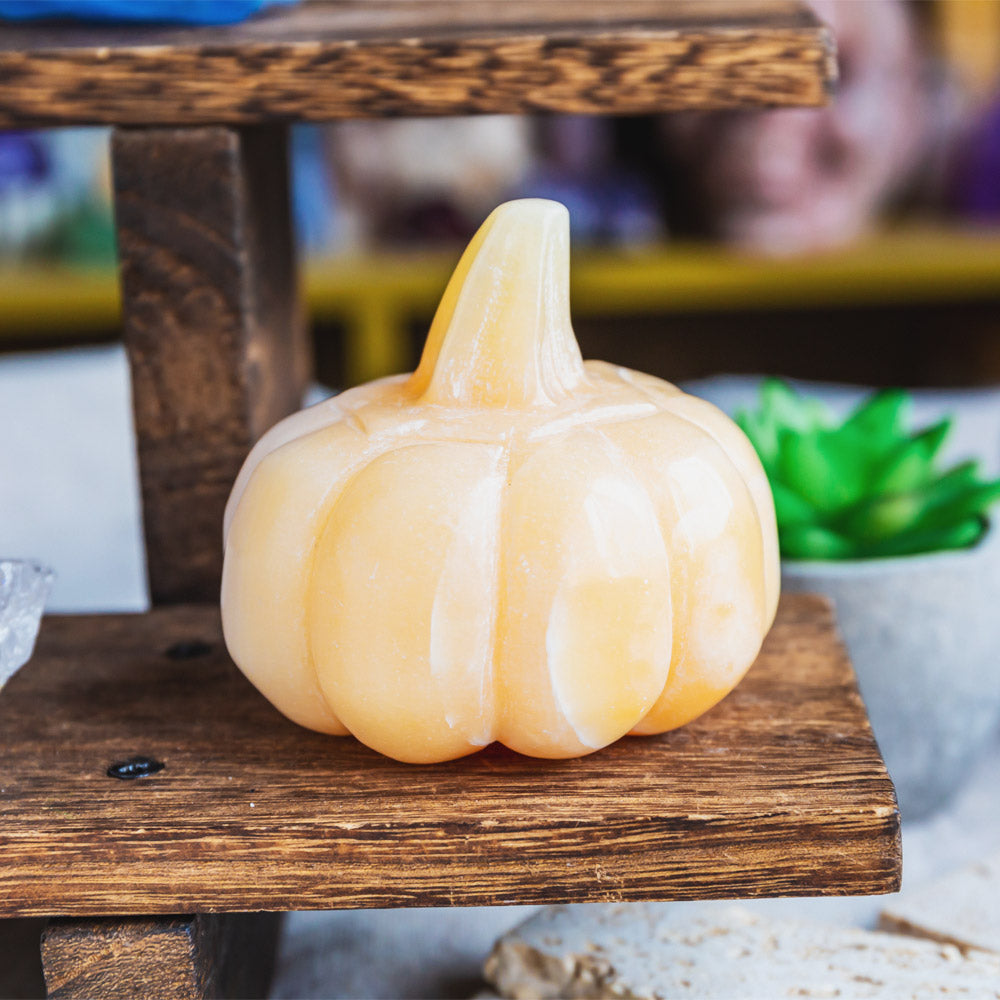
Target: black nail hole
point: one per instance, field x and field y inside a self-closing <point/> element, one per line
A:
<point x="135" y="767"/>
<point x="189" y="649"/>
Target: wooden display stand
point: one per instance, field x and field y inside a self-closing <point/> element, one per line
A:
<point x="778" y="791"/>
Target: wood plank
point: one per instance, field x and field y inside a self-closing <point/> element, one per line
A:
<point x="121" y="958"/>
<point x="213" y="327"/>
<point x="372" y="58"/>
<point x="779" y="790"/>
<point x="182" y="957"/>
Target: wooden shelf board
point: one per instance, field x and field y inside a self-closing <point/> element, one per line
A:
<point x="373" y="58"/>
<point x="779" y="790"/>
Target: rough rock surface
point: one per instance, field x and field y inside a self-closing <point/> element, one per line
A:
<point x="962" y="909"/>
<point x="642" y="952"/>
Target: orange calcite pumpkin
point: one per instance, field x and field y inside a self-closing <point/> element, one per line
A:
<point x="509" y="544"/>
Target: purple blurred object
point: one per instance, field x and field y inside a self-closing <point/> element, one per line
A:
<point x="609" y="202"/>
<point x="977" y="177"/>
<point x="23" y="159"/>
<point x="612" y="207"/>
<point x="148" y="11"/>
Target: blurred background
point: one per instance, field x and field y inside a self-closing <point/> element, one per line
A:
<point x="856" y="243"/>
<point x="859" y="242"/>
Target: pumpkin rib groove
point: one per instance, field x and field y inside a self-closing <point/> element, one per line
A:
<point x="629" y="463"/>
<point x="357" y="626"/>
<point x="762" y="502"/>
<point x="667" y="402"/>
<point x="672" y="511"/>
<point x="327" y="506"/>
<point x="511" y="728"/>
<point x="262" y="473"/>
<point x="499" y="597"/>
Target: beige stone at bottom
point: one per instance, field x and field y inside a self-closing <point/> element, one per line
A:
<point x="643" y="951"/>
<point x="962" y="909"/>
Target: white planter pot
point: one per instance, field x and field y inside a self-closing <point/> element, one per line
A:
<point x="923" y="633"/>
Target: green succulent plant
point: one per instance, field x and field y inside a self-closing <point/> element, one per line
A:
<point x="864" y="488"/>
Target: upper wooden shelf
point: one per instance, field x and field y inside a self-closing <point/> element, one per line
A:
<point x="779" y="790"/>
<point x="375" y="58"/>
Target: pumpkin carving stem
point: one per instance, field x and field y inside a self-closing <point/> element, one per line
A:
<point x="519" y="350"/>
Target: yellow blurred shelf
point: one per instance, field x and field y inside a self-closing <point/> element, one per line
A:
<point x="911" y="265"/>
<point x="375" y="294"/>
<point x="49" y="301"/>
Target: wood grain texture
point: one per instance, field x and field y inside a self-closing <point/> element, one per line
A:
<point x="779" y="790"/>
<point x="212" y="324"/>
<point x="372" y="58"/>
<point x="183" y="957"/>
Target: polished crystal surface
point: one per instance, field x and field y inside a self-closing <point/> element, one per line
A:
<point x="24" y="588"/>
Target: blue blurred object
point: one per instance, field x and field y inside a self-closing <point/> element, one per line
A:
<point x="612" y="207"/>
<point x="151" y="11"/>
<point x="55" y="195"/>
<point x="314" y="191"/>
<point x="23" y="160"/>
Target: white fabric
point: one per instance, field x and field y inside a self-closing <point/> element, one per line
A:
<point x="69" y="493"/>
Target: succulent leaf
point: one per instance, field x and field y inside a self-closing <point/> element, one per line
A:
<point x="884" y="516"/>
<point x="809" y="469"/>
<point x="789" y="506"/>
<point x="972" y="502"/>
<point x="881" y="418"/>
<point x="853" y="466"/>
<point x="866" y="488"/>
<point x="955" y="536"/>
<point x="812" y="541"/>
<point x="954" y="483"/>
<point x="784" y="406"/>
<point x="761" y="430"/>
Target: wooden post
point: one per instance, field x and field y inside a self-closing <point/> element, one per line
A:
<point x="212" y="324"/>
<point x="218" y="353"/>
<point x="174" y="958"/>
